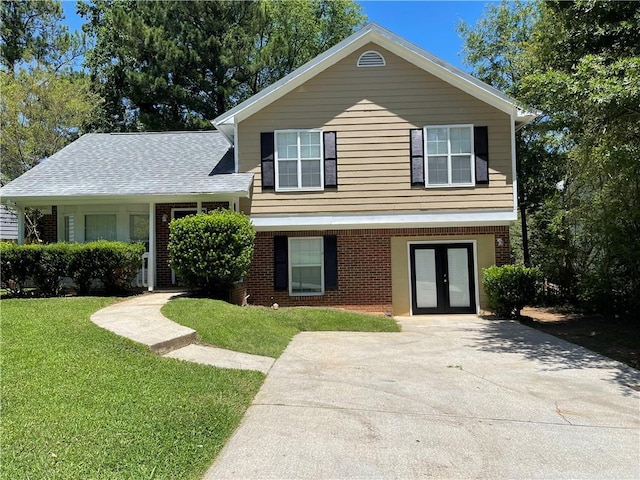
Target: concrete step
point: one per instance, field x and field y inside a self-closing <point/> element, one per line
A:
<point x="174" y="343"/>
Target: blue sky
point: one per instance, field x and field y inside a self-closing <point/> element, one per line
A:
<point x="427" y="23"/>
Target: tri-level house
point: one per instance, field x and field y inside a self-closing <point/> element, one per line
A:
<point x="377" y="176"/>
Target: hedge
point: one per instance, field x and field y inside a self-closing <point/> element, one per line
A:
<point x="114" y="264"/>
<point x="509" y="288"/>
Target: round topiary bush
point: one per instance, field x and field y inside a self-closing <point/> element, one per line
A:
<point x="509" y="288"/>
<point x="210" y="252"/>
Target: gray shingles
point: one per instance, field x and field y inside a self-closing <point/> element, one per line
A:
<point x="168" y="163"/>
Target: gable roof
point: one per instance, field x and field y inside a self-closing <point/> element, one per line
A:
<point x="106" y="165"/>
<point x="374" y="33"/>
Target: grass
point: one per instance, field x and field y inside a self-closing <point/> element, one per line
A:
<point x="261" y="330"/>
<point x="81" y="402"/>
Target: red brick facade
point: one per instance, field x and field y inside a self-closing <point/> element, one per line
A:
<point x="364" y="266"/>
<point x="163" y="272"/>
<point x="48" y="226"/>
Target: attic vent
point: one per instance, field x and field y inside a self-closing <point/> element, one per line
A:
<point x="371" y="59"/>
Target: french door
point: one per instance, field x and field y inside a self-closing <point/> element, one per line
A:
<point x="442" y="278"/>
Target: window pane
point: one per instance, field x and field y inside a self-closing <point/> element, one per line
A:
<point x="288" y="174"/>
<point x="306" y="279"/>
<point x="287" y="144"/>
<point x="437" y="170"/>
<point x="311" y="173"/>
<point x="139" y="228"/>
<point x="461" y="140"/>
<point x="458" y="268"/>
<point x="306" y="251"/>
<point x="437" y="141"/>
<point x="461" y="169"/>
<point x="69" y="229"/>
<point x="309" y="144"/>
<point x="306" y="257"/>
<point x="100" y="227"/>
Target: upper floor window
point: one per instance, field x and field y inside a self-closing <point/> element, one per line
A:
<point x="298" y="160"/>
<point x="449" y="155"/>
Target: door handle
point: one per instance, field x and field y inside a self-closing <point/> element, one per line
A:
<point x="445" y="278"/>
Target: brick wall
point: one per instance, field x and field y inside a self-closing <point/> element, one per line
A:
<point x="502" y="245"/>
<point x="364" y="266"/>
<point x="48" y="226"/>
<point x="163" y="272"/>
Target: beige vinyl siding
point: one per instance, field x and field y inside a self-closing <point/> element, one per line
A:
<point x="373" y="109"/>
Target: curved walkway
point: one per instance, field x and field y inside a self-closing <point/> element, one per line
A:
<point x="139" y="319"/>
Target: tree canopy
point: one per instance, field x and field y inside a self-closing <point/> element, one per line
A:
<point x="177" y="65"/>
<point x="579" y="62"/>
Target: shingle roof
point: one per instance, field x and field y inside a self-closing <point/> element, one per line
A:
<point x="131" y="164"/>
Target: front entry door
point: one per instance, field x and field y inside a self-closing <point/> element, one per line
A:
<point x="442" y="278"/>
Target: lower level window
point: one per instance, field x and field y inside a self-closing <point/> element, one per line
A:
<point x="306" y="270"/>
<point x="100" y="227"/>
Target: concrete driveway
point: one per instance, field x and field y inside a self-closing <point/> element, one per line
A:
<point x="457" y="397"/>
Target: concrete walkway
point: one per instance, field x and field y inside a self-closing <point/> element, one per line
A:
<point x="139" y="319"/>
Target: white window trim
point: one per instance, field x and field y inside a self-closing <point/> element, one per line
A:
<point x="290" y="268"/>
<point x="449" y="184"/>
<point x="277" y="167"/>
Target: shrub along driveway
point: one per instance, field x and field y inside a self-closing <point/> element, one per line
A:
<point x="457" y="397"/>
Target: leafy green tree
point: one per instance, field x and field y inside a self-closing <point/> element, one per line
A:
<point x="46" y="103"/>
<point x="32" y="32"/>
<point x="177" y="65"/>
<point x="496" y="49"/>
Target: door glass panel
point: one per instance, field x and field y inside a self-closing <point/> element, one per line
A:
<point x="426" y="292"/>
<point x="458" y="262"/>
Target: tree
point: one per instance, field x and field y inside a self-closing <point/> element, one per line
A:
<point x="41" y="112"/>
<point x="32" y="33"/>
<point x="581" y="67"/>
<point x="177" y="65"/>
<point x="497" y="50"/>
<point x="46" y="104"/>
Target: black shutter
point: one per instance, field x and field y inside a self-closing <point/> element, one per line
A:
<point x="417" y="157"/>
<point x="281" y="263"/>
<point x="330" y="160"/>
<point x="268" y="165"/>
<point x="330" y="262"/>
<point x="481" y="149"/>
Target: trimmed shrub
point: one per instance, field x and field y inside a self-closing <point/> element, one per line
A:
<point x="115" y="264"/>
<point x="209" y="252"/>
<point x="509" y="288"/>
<point x="15" y="263"/>
<point x="50" y="263"/>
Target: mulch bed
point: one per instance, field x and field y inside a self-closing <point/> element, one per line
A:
<point x="614" y="338"/>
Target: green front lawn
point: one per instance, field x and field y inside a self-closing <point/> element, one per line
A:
<point x="261" y="330"/>
<point x="79" y="402"/>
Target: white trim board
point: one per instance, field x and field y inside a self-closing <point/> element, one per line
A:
<point x="267" y="223"/>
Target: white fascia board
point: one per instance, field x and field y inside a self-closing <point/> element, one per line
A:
<point x="120" y="199"/>
<point x="266" y="223"/>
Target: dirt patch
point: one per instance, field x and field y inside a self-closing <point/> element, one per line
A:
<point x="616" y="339"/>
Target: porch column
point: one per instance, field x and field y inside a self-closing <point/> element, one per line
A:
<point x="20" y="212"/>
<point x="151" y="262"/>
<point x="199" y="206"/>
